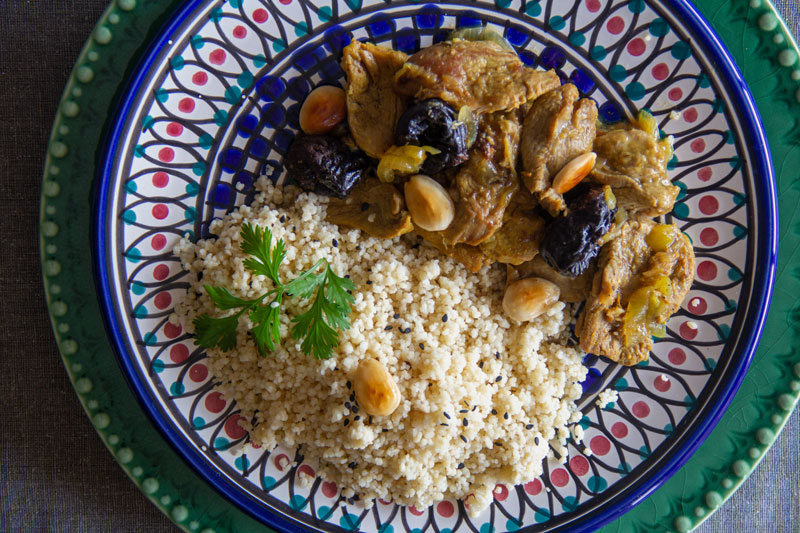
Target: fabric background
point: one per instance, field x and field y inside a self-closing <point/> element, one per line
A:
<point x="55" y="474"/>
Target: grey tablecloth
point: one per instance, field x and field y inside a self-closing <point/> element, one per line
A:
<point x="55" y="474"/>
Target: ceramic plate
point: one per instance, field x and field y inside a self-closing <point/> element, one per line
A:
<point x="213" y="105"/>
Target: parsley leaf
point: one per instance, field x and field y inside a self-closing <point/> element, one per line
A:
<point x="318" y="327"/>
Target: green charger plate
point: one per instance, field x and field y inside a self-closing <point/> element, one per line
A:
<point x="760" y="43"/>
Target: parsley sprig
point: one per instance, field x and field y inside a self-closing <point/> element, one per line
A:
<point x="318" y="327"/>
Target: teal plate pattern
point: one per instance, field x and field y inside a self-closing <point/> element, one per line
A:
<point x="88" y="98"/>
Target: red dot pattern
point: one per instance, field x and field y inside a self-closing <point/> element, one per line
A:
<point x="160" y="211"/>
<point x="416" y="512"/>
<point x="217" y="57"/>
<point x="171" y="331"/>
<point x="593" y="5"/>
<point x="636" y="47"/>
<point x="158" y="242"/>
<point x="329" y="490"/>
<point x="233" y="429"/>
<point x="662" y="383"/>
<point x="707" y="270"/>
<point x="162" y="300"/>
<point x="708" y="205"/>
<point x="559" y="477"/>
<point x="160" y="272"/>
<point x="599" y="445"/>
<point x="445" y="509"/>
<point x="174" y="129"/>
<point x="215" y="403"/>
<point x="619" y="430"/>
<point x="698" y="145"/>
<point x="306" y="470"/>
<point x="688" y="332"/>
<point x="615" y="25"/>
<point x="240" y="32"/>
<point x="160" y="179"/>
<point x="179" y="353"/>
<point x="500" y="492"/>
<point x="260" y="15"/>
<point x="677" y="356"/>
<point x="690" y="115"/>
<point x="198" y="373"/>
<point x="186" y="105"/>
<point x="200" y="78"/>
<point x="705" y="173"/>
<point x="675" y="94"/>
<point x="166" y="154"/>
<point x="709" y="237"/>
<point x="640" y="409"/>
<point x="533" y="487"/>
<point x="579" y="465"/>
<point x="660" y="71"/>
<point x="697" y="305"/>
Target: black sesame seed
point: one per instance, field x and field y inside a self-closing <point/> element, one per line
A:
<point x="358" y="248"/>
<point x="460" y="466"/>
<point x="396" y="316"/>
<point x="283" y="219"/>
<point x="444" y="424"/>
<point x="349" y="384"/>
<point x="497" y="355"/>
<point x="465" y="422"/>
<point x="355" y="409"/>
<point x="498" y="379"/>
<point x="474" y="407"/>
<point x="505" y="415"/>
<point x="364" y="206"/>
<point x="387" y="328"/>
<point x="444" y="317"/>
<point x="346" y="421"/>
<point x="353" y="397"/>
<point x="421" y="346"/>
<point x="384" y="430"/>
<point x="480" y="365"/>
<point x="446" y="415"/>
<point x="335" y="243"/>
<point x="294" y="228"/>
<point x="347" y="404"/>
<point x="464" y="411"/>
<point x="494" y="411"/>
<point x="528" y="426"/>
<point x="463" y="438"/>
<point x="536" y="440"/>
<point x="352" y="465"/>
<point x="357" y="418"/>
<point x="369" y="282"/>
<point x="407" y="330"/>
<point x="498" y="443"/>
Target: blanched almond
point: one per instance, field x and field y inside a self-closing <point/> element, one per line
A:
<point x="573" y="172"/>
<point x="376" y="390"/>
<point x="323" y="109"/>
<point x="428" y="203"/>
<point x="527" y="298"/>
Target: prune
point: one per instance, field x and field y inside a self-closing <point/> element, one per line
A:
<point x="325" y="164"/>
<point x="433" y="123"/>
<point x="571" y="239"/>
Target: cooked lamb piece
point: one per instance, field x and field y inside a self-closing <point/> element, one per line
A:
<point x="557" y="128"/>
<point x="478" y="74"/>
<point x="372" y="105"/>
<point x="642" y="277"/>
<point x="485" y="184"/>
<point x="470" y="256"/>
<point x="517" y="240"/>
<point x="374" y="207"/>
<point x="634" y="163"/>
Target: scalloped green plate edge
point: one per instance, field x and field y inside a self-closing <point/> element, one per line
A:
<point x="760" y="42"/>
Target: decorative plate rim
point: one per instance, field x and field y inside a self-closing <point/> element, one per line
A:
<point x="55" y="150"/>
